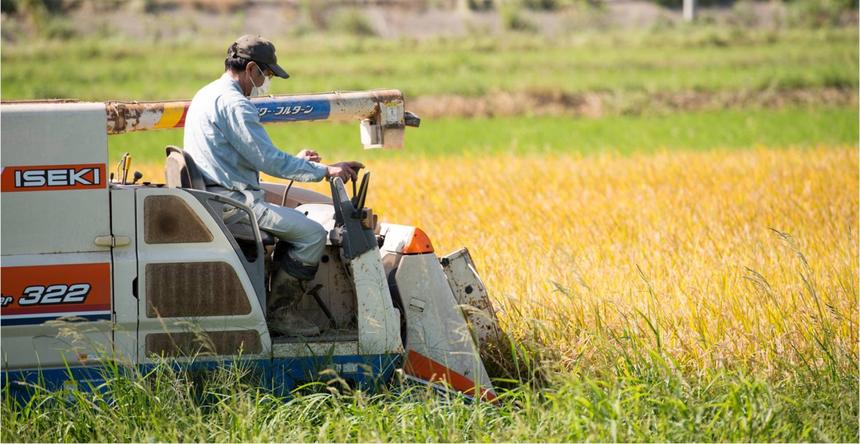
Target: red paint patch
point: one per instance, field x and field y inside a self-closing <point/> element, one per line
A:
<point x="181" y="122"/>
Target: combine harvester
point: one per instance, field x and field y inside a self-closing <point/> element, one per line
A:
<point x="148" y="270"/>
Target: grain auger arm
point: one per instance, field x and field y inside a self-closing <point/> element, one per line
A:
<point x="382" y="114"/>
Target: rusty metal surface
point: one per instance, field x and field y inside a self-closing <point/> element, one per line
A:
<point x="137" y="116"/>
<point x="336" y="292"/>
<point x="472" y="296"/>
<point x="360" y="105"/>
<point x="140" y="116"/>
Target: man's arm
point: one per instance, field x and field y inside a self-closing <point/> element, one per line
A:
<point x="248" y="136"/>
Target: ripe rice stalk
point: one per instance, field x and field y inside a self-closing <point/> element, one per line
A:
<point x="717" y="259"/>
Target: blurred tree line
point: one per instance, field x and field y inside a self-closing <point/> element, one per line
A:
<point x="62" y="6"/>
<point x="53" y="18"/>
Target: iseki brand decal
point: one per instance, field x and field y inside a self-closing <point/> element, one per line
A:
<point x="53" y="177"/>
<point x="35" y="294"/>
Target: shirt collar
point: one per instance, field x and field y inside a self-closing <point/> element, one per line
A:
<point x="226" y="77"/>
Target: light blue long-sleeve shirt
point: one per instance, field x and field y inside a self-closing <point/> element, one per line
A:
<point x="224" y="136"/>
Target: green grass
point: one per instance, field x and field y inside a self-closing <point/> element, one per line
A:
<point x="640" y="394"/>
<point x="686" y="59"/>
<point x="733" y="129"/>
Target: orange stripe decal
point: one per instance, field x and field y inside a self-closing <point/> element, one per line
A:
<point x="172" y="115"/>
<point x="55" y="289"/>
<point x="427" y="369"/>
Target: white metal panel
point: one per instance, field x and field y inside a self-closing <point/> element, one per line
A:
<point x="47" y="133"/>
<point x="320" y="213"/>
<point x="436" y="327"/>
<point x="217" y="250"/>
<point x="125" y="303"/>
<point x="397" y="237"/>
<point x="64" y="148"/>
<point x="378" y="320"/>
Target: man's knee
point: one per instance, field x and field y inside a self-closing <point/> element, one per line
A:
<point x="311" y="232"/>
<point x="316" y="243"/>
<point x="309" y="242"/>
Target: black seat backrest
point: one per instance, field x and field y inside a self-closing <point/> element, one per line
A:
<point x="180" y="170"/>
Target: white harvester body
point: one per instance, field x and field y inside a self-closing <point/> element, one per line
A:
<point x="95" y="269"/>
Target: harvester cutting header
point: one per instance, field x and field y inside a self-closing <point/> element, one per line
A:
<point x="147" y="270"/>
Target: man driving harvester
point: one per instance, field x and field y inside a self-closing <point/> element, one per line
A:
<point x="224" y="136"/>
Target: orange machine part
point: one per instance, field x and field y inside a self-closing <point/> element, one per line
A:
<point x="429" y="370"/>
<point x="420" y="243"/>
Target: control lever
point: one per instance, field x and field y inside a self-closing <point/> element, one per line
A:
<point x="122" y="168"/>
<point x="354" y="238"/>
<point x="359" y="198"/>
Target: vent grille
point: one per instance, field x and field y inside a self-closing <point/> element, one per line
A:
<point x="194" y="289"/>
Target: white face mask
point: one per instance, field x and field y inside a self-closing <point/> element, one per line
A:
<point x="262" y="89"/>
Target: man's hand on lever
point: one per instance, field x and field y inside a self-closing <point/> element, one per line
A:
<point x="345" y="170"/>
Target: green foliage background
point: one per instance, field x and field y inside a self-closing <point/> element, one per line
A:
<point x="639" y="393"/>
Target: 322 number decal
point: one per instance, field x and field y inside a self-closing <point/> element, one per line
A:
<point x="54" y="294"/>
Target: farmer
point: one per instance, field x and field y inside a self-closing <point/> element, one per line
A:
<point x="224" y="136"/>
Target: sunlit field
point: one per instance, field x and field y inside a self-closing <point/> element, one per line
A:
<point x="668" y="296"/>
<point x="666" y="221"/>
<point x="720" y="259"/>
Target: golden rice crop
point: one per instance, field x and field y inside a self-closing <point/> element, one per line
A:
<point x="715" y="258"/>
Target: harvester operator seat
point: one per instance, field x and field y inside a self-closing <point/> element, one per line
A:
<point x="181" y="172"/>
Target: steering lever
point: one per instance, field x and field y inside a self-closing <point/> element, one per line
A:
<point x="359" y="198"/>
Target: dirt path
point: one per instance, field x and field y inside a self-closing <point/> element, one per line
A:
<point x="598" y="104"/>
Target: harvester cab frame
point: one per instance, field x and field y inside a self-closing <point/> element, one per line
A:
<point x="149" y="271"/>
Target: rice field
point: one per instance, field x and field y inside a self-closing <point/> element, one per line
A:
<point x="705" y="296"/>
<point x="671" y="275"/>
<point x="720" y="258"/>
<point x="723" y="258"/>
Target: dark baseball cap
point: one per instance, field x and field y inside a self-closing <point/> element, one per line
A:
<point x="260" y="50"/>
